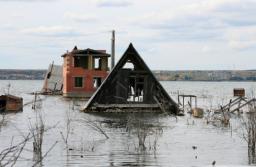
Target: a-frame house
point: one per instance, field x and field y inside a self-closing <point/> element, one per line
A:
<point x="132" y="87"/>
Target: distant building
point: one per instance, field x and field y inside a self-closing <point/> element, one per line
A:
<point x="84" y="71"/>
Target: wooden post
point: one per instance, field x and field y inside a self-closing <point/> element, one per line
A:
<point x="196" y="102"/>
<point x="55" y="85"/>
<point x="190" y="100"/>
<point x="183" y="102"/>
<point x="239" y="104"/>
<point x="229" y="104"/>
<point x="34" y="103"/>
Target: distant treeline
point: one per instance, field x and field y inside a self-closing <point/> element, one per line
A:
<point x="6" y="74"/>
<point x="219" y="75"/>
<point x="227" y="75"/>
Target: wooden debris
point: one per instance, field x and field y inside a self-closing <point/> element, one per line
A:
<point x="198" y="112"/>
<point x="53" y="82"/>
<point x="236" y="104"/>
<point x="189" y="102"/>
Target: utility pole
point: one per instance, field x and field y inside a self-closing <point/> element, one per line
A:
<point x="113" y="50"/>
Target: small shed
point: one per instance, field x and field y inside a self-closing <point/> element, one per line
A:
<point x="11" y="103"/>
<point x="239" y="92"/>
<point x="131" y="86"/>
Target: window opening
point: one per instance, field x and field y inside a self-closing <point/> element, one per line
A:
<point x="81" y="61"/>
<point x="96" y="82"/>
<point x="78" y="82"/>
<point x="97" y="63"/>
<point x="136" y="89"/>
<point x="128" y="65"/>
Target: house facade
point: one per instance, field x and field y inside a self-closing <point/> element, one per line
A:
<point x="83" y="71"/>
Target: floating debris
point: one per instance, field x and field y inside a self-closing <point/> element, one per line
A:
<point x="198" y="112"/>
<point x="194" y="147"/>
<point x="53" y="82"/>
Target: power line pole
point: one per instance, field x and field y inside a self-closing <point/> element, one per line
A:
<point x="113" y="50"/>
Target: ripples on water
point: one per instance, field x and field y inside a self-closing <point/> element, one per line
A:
<point x="173" y="147"/>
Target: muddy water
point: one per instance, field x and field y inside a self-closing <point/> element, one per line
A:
<point x="169" y="141"/>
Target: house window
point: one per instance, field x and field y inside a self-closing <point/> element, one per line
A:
<point x="96" y="82"/>
<point x="78" y="82"/>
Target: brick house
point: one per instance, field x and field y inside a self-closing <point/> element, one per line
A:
<point x="83" y="71"/>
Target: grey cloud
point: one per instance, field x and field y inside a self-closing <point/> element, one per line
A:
<point x="80" y="17"/>
<point x="28" y="0"/>
<point x="238" y="14"/>
<point x="206" y="25"/>
<point x="189" y="28"/>
<point x="51" y="31"/>
<point x="114" y="3"/>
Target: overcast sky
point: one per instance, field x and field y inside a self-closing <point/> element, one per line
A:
<point x="168" y="34"/>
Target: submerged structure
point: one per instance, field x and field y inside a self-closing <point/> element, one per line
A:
<point x="84" y="71"/>
<point x="53" y="82"/>
<point x="132" y="87"/>
<point x="10" y="103"/>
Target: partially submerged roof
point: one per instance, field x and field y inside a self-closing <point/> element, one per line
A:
<point x="123" y="85"/>
<point x="10" y="103"/>
<point x="10" y="97"/>
<point x="87" y="52"/>
<point x="53" y="81"/>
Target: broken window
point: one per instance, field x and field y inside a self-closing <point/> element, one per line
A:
<point x="128" y="65"/>
<point x="136" y="89"/>
<point x="97" y="63"/>
<point x="96" y="82"/>
<point x="78" y="82"/>
<point x="81" y="61"/>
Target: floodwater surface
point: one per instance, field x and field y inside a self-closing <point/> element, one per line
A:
<point x="169" y="141"/>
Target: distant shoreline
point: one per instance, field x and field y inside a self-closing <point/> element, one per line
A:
<point x="161" y="75"/>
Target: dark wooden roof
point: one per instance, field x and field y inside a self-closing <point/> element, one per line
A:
<point x="130" y="55"/>
<point x="10" y="97"/>
<point x="86" y="52"/>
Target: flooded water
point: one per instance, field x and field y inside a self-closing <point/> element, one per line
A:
<point x="184" y="141"/>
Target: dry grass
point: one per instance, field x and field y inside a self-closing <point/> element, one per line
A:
<point x="249" y="135"/>
<point x="147" y="133"/>
<point x="10" y="155"/>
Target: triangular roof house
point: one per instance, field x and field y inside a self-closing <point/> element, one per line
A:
<point x="131" y="86"/>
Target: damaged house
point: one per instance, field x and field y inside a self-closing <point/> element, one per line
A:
<point x="83" y="71"/>
<point x="131" y="86"/>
